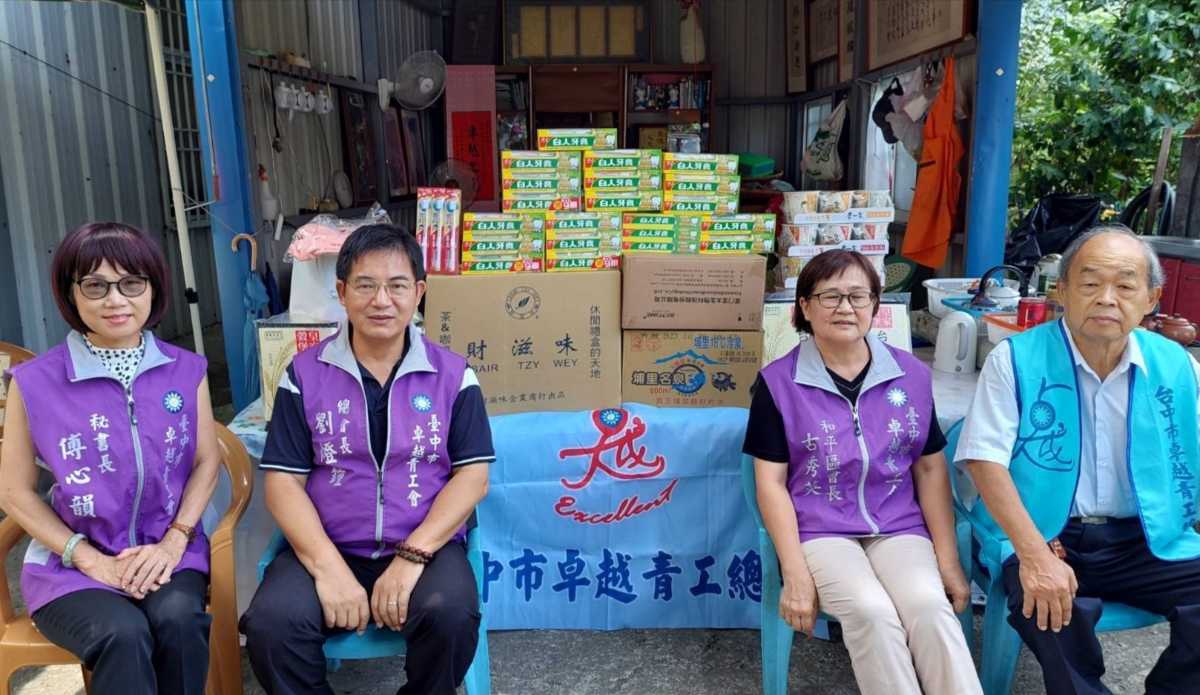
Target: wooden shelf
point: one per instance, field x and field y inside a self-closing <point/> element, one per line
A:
<point x="279" y="67"/>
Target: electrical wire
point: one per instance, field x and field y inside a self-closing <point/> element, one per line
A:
<point x="80" y="80"/>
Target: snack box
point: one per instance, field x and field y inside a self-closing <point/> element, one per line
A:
<point x="703" y="184"/>
<point x="538" y="202"/>
<point x="522" y="162"/>
<point x="708" y="205"/>
<point x="622" y="160"/>
<point x="701" y="163"/>
<point x="560" y="139"/>
<point x="635" y="201"/>
<point x="619" y="181"/>
<point x="745" y="223"/>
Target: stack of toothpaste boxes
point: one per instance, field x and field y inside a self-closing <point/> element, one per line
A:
<point x="577" y="204"/>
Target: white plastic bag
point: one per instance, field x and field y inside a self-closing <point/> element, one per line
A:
<point x="821" y="160"/>
<point x="314" y="290"/>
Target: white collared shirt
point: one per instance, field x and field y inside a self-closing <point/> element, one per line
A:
<point x="992" y="422"/>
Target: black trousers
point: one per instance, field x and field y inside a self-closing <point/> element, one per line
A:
<point x="1113" y="563"/>
<point x="156" y="645"/>
<point x="285" y="626"/>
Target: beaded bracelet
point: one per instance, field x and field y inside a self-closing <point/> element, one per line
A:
<point x="413" y="554"/>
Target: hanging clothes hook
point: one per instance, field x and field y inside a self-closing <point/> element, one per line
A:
<point x="233" y="245"/>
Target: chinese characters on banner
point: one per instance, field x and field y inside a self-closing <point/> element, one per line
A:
<point x="472" y="138"/>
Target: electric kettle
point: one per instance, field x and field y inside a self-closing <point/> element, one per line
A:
<point x="957" y="340"/>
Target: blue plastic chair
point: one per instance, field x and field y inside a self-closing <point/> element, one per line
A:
<point x="1001" y="643"/>
<point x="776" y="635"/>
<point x="376" y="643"/>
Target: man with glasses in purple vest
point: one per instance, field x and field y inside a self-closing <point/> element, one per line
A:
<point x="376" y="456"/>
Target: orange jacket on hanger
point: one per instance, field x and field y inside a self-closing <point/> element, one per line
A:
<point x="935" y="203"/>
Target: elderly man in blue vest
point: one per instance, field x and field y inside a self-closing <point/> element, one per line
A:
<point x="1082" y="441"/>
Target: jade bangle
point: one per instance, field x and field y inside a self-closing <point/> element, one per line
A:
<point x="69" y="549"/>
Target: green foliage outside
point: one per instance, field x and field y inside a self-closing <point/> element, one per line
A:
<point x="1098" y="83"/>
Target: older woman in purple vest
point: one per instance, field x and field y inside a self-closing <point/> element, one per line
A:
<point x="854" y="491"/>
<point x="117" y="569"/>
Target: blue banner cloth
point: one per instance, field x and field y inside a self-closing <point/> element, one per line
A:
<point x="619" y="518"/>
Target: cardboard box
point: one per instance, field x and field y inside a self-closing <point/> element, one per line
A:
<point x="617" y="202"/>
<point x="745" y="223"/>
<point x="514" y="163"/>
<point x="583" y="264"/>
<point x="624" y="160"/>
<point x="563" y="184"/>
<point x="726" y="164"/>
<point x="504" y="266"/>
<point x="559" y="139"/>
<point x="537" y="341"/>
<point x="701" y="183"/>
<point x="692" y="292"/>
<point x="564" y="224"/>
<point x="716" y="204"/>
<point x="621" y="181"/>
<point x="279" y="339"/>
<point x="538" y="202"/>
<point x="736" y="244"/>
<point x="690" y="369"/>
<point x="633" y="221"/>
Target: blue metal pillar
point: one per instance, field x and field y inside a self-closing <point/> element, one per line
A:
<point x="216" y="80"/>
<point x="991" y="149"/>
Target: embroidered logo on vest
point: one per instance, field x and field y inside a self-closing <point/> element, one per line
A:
<point x="422" y="403"/>
<point x="1047" y="430"/>
<point x="897" y="397"/>
<point x="173" y="401"/>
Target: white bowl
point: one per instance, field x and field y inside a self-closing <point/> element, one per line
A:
<point x="946" y="288"/>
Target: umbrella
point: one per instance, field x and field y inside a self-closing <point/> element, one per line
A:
<point x="254" y="300"/>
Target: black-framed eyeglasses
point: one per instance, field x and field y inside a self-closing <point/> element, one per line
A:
<point x="130" y="286"/>
<point x="832" y="299"/>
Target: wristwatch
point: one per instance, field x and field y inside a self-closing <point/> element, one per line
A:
<point x="189" y="531"/>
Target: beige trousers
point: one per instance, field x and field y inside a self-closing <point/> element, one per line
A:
<point x="897" y="623"/>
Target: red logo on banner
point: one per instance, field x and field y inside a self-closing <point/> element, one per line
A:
<point x="616" y="454"/>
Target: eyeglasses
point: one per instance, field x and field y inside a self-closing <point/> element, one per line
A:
<point x="366" y="289"/>
<point x="131" y="286"/>
<point x="832" y="299"/>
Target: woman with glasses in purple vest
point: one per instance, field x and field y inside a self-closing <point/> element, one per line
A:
<point x="117" y="570"/>
<point x="854" y="490"/>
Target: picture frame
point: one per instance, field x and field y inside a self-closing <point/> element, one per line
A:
<point x="901" y="29"/>
<point x="414" y="148"/>
<point x="358" y="147"/>
<point x="476" y="36"/>
<point x="395" y="151"/>
<point x="796" y="44"/>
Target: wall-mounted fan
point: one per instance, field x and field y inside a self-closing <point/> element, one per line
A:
<point x="418" y="83"/>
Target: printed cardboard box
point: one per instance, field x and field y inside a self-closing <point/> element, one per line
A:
<point x="577" y="264"/>
<point x="515" y="163"/>
<point x="622" y="160"/>
<point x="538" y="202"/>
<point x="617" y="202"/>
<point x="568" y="184"/>
<point x="701" y="183"/>
<point x="559" y="139"/>
<point x="690" y="369"/>
<point x="537" y="342"/>
<point x="715" y="204"/>
<point x="693" y="292"/>
<point x="563" y="224"/>
<point x="621" y="181"/>
<point x="279" y="339"/>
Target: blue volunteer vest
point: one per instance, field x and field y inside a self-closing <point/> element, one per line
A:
<point x="1161" y="420"/>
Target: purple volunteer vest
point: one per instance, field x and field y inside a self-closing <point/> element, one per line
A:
<point x="120" y="459"/>
<point x="367" y="509"/>
<point x="849" y="468"/>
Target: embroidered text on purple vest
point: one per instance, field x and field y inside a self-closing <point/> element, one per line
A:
<point x="366" y="509"/>
<point x="120" y="459"/>
<point x="851" y="477"/>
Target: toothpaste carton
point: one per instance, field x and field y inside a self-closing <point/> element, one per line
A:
<point x="701" y="204"/>
<point x="539" y="202"/>
<point x="514" y="163"/>
<point x="568" y="184"/>
<point x="634" y="201"/>
<point x="566" y="265"/>
<point x="729" y="244"/>
<point x="726" y="164"/>
<point x="559" y="139"/>
<point x="501" y="266"/>
<point x="655" y="221"/>
<point x="622" y="160"/>
<point x="701" y="184"/>
<point x="614" y="181"/>
<point x="563" y="224"/>
<point x="745" y="223"/>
